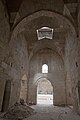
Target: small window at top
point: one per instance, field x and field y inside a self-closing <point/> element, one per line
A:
<point x="45" y="32"/>
<point x="45" y="68"/>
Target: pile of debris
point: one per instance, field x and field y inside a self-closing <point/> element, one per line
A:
<point x="18" y="111"/>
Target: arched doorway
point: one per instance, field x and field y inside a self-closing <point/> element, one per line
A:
<point x="63" y="21"/>
<point x="44" y="92"/>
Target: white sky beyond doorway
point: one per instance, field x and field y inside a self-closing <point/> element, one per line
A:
<point x="44" y="92"/>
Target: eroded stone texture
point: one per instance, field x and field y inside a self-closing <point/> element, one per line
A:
<point x="71" y="65"/>
<point x="4" y="50"/>
<point x="21" y="54"/>
<point x="19" y="65"/>
<point x="55" y="75"/>
<point x="36" y="5"/>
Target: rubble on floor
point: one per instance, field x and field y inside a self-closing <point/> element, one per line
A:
<point x="18" y="111"/>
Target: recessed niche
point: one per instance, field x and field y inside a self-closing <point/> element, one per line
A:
<point x="76" y="64"/>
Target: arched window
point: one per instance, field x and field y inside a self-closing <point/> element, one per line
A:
<point x="45" y="68"/>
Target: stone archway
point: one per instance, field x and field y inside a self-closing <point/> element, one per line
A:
<point x="71" y="35"/>
<point x="21" y="25"/>
<point x="44" y="92"/>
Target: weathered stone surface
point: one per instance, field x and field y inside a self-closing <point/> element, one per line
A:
<point x="22" y="55"/>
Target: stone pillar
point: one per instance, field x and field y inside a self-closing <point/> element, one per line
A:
<point x="2" y="87"/>
<point x="6" y="96"/>
<point x="32" y="94"/>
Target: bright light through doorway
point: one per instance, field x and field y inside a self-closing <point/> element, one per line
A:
<point x="44" y="92"/>
<point x="45" y="99"/>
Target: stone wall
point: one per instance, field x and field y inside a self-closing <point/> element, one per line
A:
<point x="4" y="37"/>
<point x="56" y="75"/>
<point x="78" y="47"/>
<point x="18" y="49"/>
<point x="13" y="61"/>
<point x="64" y="74"/>
<point x="71" y="60"/>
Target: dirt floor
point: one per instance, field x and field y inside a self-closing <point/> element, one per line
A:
<point x="21" y="111"/>
<point x="50" y="112"/>
<point x="18" y="111"/>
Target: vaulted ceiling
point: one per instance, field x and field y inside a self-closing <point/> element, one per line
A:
<point x="13" y="5"/>
<point x="30" y="29"/>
